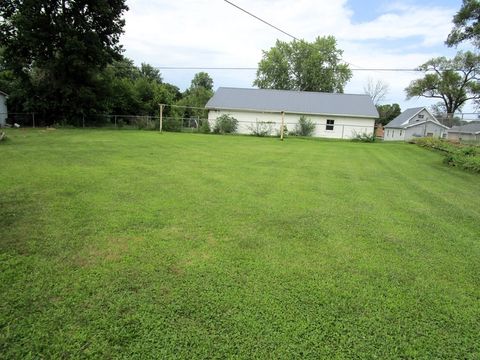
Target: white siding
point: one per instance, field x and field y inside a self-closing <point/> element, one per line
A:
<point x="3" y="109"/>
<point x="454" y="136"/>
<point x="344" y="127"/>
<point x="392" y="134"/>
<point x="422" y="130"/>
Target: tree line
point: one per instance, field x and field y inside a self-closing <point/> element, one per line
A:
<point x="63" y="61"/>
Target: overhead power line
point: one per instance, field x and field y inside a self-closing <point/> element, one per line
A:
<point x="255" y="68"/>
<point x="273" y="26"/>
<point x="203" y="68"/>
<point x="260" y="19"/>
<point x="251" y="68"/>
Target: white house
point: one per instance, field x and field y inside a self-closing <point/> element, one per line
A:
<point x="467" y="132"/>
<point x="339" y="116"/>
<point x="412" y="123"/>
<point x="3" y="108"/>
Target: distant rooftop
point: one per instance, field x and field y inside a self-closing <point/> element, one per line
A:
<point x="473" y="128"/>
<point x="297" y="102"/>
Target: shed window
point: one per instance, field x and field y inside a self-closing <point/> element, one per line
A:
<point x="330" y="125"/>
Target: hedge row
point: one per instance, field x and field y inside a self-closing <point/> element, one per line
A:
<point x="466" y="157"/>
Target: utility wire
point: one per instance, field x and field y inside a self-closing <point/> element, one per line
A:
<point x="264" y="21"/>
<point x="246" y="68"/>
<point x="275" y="27"/>
<point x="256" y="68"/>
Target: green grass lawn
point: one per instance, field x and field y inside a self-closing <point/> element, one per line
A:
<point x="130" y="244"/>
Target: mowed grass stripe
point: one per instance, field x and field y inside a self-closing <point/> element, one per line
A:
<point x="146" y="245"/>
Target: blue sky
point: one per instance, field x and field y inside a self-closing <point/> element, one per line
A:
<point x="372" y="34"/>
<point x="368" y="10"/>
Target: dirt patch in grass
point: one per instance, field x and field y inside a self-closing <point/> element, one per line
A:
<point x="114" y="249"/>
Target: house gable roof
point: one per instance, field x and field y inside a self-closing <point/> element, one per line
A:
<point x="472" y="128"/>
<point x="423" y="122"/>
<point x="297" y="102"/>
<point x="401" y="121"/>
<point x="3" y="93"/>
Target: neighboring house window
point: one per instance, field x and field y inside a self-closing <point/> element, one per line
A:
<point x="421" y="116"/>
<point x="388" y="132"/>
<point x="330" y="124"/>
<point x="393" y="133"/>
<point x="429" y="134"/>
<point x="400" y="132"/>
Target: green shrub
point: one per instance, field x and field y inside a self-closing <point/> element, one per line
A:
<point x="225" y="124"/>
<point x="458" y="155"/>
<point x="205" y="127"/>
<point x="435" y="143"/>
<point x="172" y="124"/>
<point x="364" y="137"/>
<point x="305" y="127"/>
<point x="261" y="128"/>
<point x="144" y="123"/>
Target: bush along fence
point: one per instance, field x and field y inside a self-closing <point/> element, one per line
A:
<point x="463" y="156"/>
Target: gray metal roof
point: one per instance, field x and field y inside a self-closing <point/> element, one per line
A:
<point x="401" y="120"/>
<point x="298" y="102"/>
<point x="473" y="127"/>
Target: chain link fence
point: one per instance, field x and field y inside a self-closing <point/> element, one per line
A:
<point x="187" y="124"/>
<point x="108" y="121"/>
<point x="194" y="124"/>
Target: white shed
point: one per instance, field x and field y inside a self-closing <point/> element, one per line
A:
<point x="3" y="108"/>
<point x="413" y="123"/>
<point x="339" y="116"/>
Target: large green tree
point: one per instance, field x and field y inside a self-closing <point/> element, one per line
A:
<point x="57" y="50"/>
<point x="137" y="90"/>
<point x="202" y="80"/>
<point x="151" y="73"/>
<point x="192" y="104"/>
<point x="453" y="81"/>
<point x="387" y="113"/>
<point x="466" y="24"/>
<point x="301" y="65"/>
